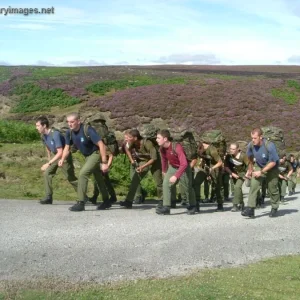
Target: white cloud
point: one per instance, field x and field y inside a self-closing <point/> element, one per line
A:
<point x="189" y="59"/>
<point x="4" y="63"/>
<point x="294" y="59"/>
<point x="28" y="26"/>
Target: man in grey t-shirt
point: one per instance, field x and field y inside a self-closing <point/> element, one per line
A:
<point x="54" y="142"/>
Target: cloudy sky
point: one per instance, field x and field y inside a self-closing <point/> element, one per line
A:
<point x="135" y="32"/>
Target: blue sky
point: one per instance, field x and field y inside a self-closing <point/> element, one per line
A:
<point x="121" y="32"/>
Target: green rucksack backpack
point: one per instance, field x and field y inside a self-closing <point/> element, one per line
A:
<point x="149" y="132"/>
<point x="276" y="136"/>
<point x="108" y="137"/>
<point x="188" y="143"/>
<point x="243" y="146"/>
<point x="215" y="137"/>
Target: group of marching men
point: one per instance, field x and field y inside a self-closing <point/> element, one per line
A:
<point x="166" y="160"/>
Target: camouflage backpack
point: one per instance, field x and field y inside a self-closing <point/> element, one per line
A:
<point x="243" y="146"/>
<point x="108" y="137"/>
<point x="149" y="132"/>
<point x="215" y="137"/>
<point x="276" y="136"/>
<point x="188" y="143"/>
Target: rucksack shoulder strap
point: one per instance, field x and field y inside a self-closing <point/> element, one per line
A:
<point x="86" y="127"/>
<point x="174" y="147"/>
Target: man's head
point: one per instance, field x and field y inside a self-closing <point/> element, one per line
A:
<point x="42" y="124"/>
<point x="73" y="120"/>
<point x="282" y="158"/>
<point x="133" y="136"/>
<point x="163" y="138"/>
<point x="257" y="136"/>
<point x="234" y="149"/>
<point x="291" y="158"/>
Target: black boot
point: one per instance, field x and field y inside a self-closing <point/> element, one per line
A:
<point x="248" y="212"/>
<point x="104" y="205"/>
<point x="220" y="207"/>
<point x="191" y="210"/>
<point x="79" y="206"/>
<point x="47" y="200"/>
<point x="93" y="199"/>
<point x="126" y="204"/>
<point x="273" y="212"/>
<point x="163" y="210"/>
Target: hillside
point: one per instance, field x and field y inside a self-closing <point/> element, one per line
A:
<point x="233" y="99"/>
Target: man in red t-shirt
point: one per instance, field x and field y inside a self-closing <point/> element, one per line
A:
<point x="175" y="168"/>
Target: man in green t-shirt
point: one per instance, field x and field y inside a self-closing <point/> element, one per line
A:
<point x="236" y="163"/>
<point x="146" y="156"/>
<point x="214" y="162"/>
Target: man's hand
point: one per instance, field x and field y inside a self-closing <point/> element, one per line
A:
<point x="104" y="167"/>
<point x="61" y="162"/>
<point x="45" y="166"/>
<point x="235" y="176"/>
<point x="139" y="169"/>
<point x="173" y="179"/>
<point x="256" y="174"/>
<point x="249" y="174"/>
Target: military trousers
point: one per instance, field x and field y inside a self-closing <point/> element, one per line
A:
<point x="272" y="186"/>
<point x="238" y="191"/>
<point x="156" y="172"/>
<point x="292" y="182"/>
<point x="108" y="185"/>
<point x="282" y="185"/>
<point x="138" y="192"/>
<point x="200" y="178"/>
<point x="91" y="166"/>
<point x="186" y="186"/>
<point x="225" y="185"/>
<point x="68" y="171"/>
<point x="217" y="182"/>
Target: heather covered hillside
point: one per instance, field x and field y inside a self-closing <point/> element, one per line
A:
<point x="233" y="99"/>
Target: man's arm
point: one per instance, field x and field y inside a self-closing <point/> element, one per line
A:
<point x="57" y="156"/>
<point x="102" y="150"/>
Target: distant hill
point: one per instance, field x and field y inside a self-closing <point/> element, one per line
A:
<point x="231" y="98"/>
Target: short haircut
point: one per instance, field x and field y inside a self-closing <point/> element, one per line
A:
<point x="43" y="121"/>
<point x="165" y="133"/>
<point x="236" y="145"/>
<point x="75" y="115"/>
<point x="258" y="131"/>
<point x="135" y="133"/>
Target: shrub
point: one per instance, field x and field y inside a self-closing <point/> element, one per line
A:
<point x="33" y="98"/>
<point x="17" y="132"/>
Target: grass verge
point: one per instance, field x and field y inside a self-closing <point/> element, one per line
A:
<point x="277" y="279"/>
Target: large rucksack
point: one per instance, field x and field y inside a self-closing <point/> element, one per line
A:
<point x="188" y="143"/>
<point x="243" y="146"/>
<point x="215" y="137"/>
<point x="149" y="132"/>
<point x="108" y="137"/>
<point x="276" y="136"/>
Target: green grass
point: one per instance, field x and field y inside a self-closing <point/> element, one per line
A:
<point x="17" y="132"/>
<point x="290" y="94"/>
<point x="50" y="72"/>
<point x="5" y="73"/>
<point x="24" y="179"/>
<point x="33" y="98"/>
<point x="102" y="87"/>
<point x="290" y="97"/>
<point x="273" y="279"/>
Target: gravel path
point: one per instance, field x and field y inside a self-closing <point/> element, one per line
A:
<point x="38" y="241"/>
